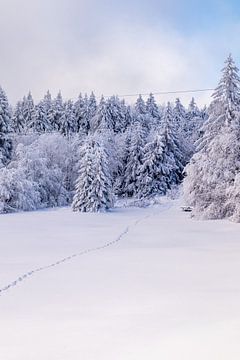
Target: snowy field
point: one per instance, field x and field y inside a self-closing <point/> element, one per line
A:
<point x="166" y="287"/>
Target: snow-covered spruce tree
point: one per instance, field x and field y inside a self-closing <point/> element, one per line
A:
<point x="141" y="114"/>
<point x="18" y="122"/>
<point x="122" y="141"/>
<point x="102" y="121"/>
<point x="174" y="154"/>
<point x="204" y="113"/>
<point x="154" y="112"/>
<point x="92" y="106"/>
<point x="194" y="122"/>
<point x="128" y="114"/>
<point x="155" y="171"/>
<point x="212" y="181"/>
<point x="187" y="124"/>
<point x="44" y="119"/>
<point x="80" y="108"/>
<point x="5" y="128"/>
<point x="57" y="112"/>
<point x="68" y="123"/>
<point x="119" y="160"/>
<point x="179" y="114"/>
<point x="29" y="113"/>
<point x="85" y="109"/>
<point x="5" y="113"/>
<point x="50" y="112"/>
<point x="134" y="159"/>
<point x="116" y="111"/>
<point x="94" y="190"/>
<point x="226" y="100"/>
<point x="102" y="125"/>
<point x="140" y="105"/>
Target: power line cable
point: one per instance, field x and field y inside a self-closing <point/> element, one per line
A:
<point x="164" y="92"/>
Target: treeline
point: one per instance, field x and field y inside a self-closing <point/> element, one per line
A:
<point x="87" y="153"/>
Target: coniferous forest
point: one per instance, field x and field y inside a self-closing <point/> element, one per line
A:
<point x="90" y="152"/>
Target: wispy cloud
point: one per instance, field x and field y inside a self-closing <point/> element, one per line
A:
<point x="110" y="47"/>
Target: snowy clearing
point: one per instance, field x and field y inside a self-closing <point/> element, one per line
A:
<point x="166" y="287"/>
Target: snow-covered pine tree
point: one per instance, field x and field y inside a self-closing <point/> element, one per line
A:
<point x="140" y="113"/>
<point x="102" y="121"/>
<point x="128" y="117"/>
<point x="174" y="150"/>
<point x="58" y="109"/>
<point x="193" y="123"/>
<point x="154" y="173"/>
<point x="126" y="111"/>
<point x="134" y="159"/>
<point x="29" y="113"/>
<point x="44" y="120"/>
<point x="18" y="121"/>
<point x="188" y="124"/>
<point x="68" y="120"/>
<point x="212" y="180"/>
<point x="92" y="106"/>
<point x="80" y="112"/>
<point x="116" y="111"/>
<point x="123" y="141"/>
<point x="5" y="113"/>
<point x="50" y="111"/>
<point x="225" y="104"/>
<point x="94" y="191"/>
<point x="5" y="128"/>
<point x="140" y="106"/>
<point x="154" y="112"/>
<point x="179" y="116"/>
<point x="204" y="113"/>
<point x="39" y="123"/>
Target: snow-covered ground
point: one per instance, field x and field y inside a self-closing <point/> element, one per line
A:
<point x="168" y="288"/>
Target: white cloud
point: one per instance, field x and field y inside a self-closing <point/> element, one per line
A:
<point x="47" y="45"/>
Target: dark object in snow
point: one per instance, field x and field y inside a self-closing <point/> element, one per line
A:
<point x="186" y="208"/>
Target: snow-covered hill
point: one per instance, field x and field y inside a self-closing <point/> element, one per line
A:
<point x="154" y="285"/>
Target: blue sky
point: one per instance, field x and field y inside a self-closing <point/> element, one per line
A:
<point x="115" y="47"/>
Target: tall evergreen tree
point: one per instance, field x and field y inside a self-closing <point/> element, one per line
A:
<point x="174" y="151"/>
<point x="92" y="106"/>
<point x="179" y="113"/>
<point x="116" y="114"/>
<point x="213" y="173"/>
<point x="94" y="184"/>
<point x="68" y="120"/>
<point x="44" y="119"/>
<point x="225" y="104"/>
<point x="140" y="106"/>
<point x="18" y="123"/>
<point x="128" y="117"/>
<point x="193" y="124"/>
<point x="141" y="114"/>
<point x="57" y="112"/>
<point x="5" y="128"/>
<point x="79" y="110"/>
<point x="154" y="112"/>
<point x="102" y="121"/>
<point x="134" y="159"/>
<point x="154" y="173"/>
<point x="29" y="113"/>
